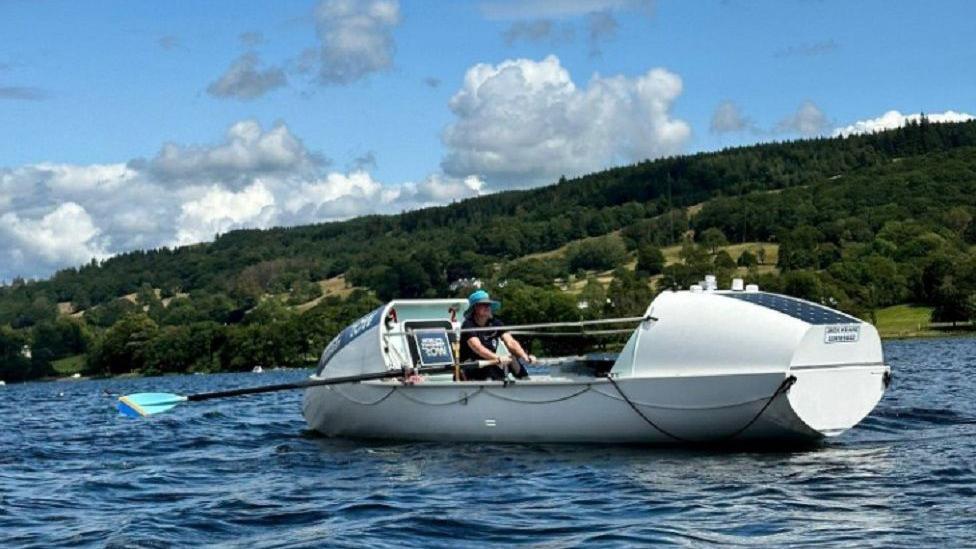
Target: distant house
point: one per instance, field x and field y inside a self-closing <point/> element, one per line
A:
<point x="465" y="283"/>
<point x="26" y="351"/>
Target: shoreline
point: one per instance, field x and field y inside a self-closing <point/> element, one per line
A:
<point x="928" y="334"/>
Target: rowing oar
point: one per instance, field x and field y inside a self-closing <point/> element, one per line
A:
<point x="147" y="404"/>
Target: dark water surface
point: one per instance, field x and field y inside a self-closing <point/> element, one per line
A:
<point x="244" y="472"/>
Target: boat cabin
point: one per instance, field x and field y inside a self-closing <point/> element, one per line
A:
<point x="404" y="333"/>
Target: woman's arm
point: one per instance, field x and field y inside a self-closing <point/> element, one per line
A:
<point x="516" y="348"/>
<point x="475" y="344"/>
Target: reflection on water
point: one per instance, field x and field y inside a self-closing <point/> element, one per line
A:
<point x="247" y="473"/>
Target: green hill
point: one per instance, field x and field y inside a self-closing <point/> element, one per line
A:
<point x="860" y="223"/>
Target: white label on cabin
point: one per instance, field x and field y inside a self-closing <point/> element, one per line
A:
<point x="843" y="333"/>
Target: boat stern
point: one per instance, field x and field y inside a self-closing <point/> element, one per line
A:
<point x="840" y="376"/>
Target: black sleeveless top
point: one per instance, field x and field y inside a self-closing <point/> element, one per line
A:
<point x="488" y="338"/>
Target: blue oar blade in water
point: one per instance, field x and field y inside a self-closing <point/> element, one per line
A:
<point x="147" y="404"/>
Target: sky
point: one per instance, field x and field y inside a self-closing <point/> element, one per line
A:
<point x="136" y="125"/>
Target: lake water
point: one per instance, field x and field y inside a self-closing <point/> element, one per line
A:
<point x="244" y="472"/>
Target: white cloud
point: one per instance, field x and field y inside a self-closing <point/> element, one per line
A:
<point x="357" y="185"/>
<point x="808" y="120"/>
<point x="602" y="26"/>
<point x="524" y="122"/>
<point x="895" y="119"/>
<point x="728" y="118"/>
<point x="531" y="9"/>
<point x="809" y="50"/>
<point x="23" y="93"/>
<point x="340" y="196"/>
<point x="58" y="215"/>
<point x="67" y="178"/>
<point x="537" y="30"/>
<point x="555" y="21"/>
<point x="356" y="38"/>
<point x="440" y="189"/>
<point x="245" y="80"/>
<point x="251" y="39"/>
<point x="220" y="210"/>
<point x="247" y="151"/>
<point x="168" y="42"/>
<point x="34" y="247"/>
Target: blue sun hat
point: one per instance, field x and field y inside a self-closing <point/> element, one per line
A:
<point x="481" y="296"/>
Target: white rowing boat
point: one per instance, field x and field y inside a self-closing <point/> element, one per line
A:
<point x="700" y="366"/>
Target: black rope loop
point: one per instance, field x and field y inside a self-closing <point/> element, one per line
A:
<point x="783" y="387"/>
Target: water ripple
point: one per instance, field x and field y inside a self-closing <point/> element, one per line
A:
<point x="248" y="473"/>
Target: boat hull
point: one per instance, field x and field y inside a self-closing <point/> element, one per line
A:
<point x="692" y="409"/>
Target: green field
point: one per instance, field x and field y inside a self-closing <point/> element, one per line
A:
<point x="69" y="365"/>
<point x="905" y="321"/>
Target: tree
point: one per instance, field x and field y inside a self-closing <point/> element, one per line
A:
<point x="303" y="291"/>
<point x="40" y="309"/>
<point x="108" y="314"/>
<point x="957" y="219"/>
<point x="123" y="348"/>
<point x="598" y="254"/>
<point x="594" y="295"/>
<point x="147" y="299"/>
<point x="799" y="248"/>
<point x="747" y="259"/>
<point x="713" y="239"/>
<point x="650" y="260"/>
<point x="523" y="304"/>
<point x="184" y="348"/>
<point x="14" y="365"/>
<point x="628" y="295"/>
<point x="533" y="271"/>
<point x="803" y="284"/>
<point x="723" y="261"/>
<point x="53" y="340"/>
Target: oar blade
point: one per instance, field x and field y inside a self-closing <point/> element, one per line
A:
<point x="147" y="404"/>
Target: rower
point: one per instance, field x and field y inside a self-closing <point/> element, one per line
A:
<point x="479" y="344"/>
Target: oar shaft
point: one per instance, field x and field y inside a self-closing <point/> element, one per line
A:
<point x="288" y="386"/>
<point x="318" y="382"/>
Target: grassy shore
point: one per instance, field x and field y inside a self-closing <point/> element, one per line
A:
<point x="908" y="321"/>
<point x="70" y="365"/>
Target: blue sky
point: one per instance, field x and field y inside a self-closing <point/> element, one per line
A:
<point x="145" y="124"/>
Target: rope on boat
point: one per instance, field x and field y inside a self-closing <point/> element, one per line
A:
<point x="361" y="403"/>
<point x="662" y="407"/>
<point x="560" y="399"/>
<point x="783" y="387"/>
<point x="641" y="414"/>
<point x="463" y="399"/>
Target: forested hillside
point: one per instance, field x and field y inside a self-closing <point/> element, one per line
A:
<point x="859" y="223"/>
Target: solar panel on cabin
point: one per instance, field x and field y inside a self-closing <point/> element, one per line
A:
<point x="796" y="308"/>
